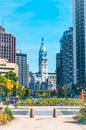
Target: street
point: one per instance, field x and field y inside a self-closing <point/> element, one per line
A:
<point x="45" y="111"/>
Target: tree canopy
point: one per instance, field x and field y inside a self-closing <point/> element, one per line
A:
<point x="12" y="76"/>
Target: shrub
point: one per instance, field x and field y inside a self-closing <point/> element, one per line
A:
<point x="26" y="102"/>
<point x="3" y="118"/>
<point x="81" y="116"/>
<point x="82" y="120"/>
<point x="8" y="111"/>
<point x="51" y="101"/>
<point x="5" y="115"/>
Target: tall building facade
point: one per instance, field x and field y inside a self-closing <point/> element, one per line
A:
<point x="5" y="67"/>
<point x="58" y="70"/>
<point x="65" y="60"/>
<point x="21" y="61"/>
<point x="7" y="45"/>
<point x="79" y="41"/>
<point x="43" y="64"/>
<point x="52" y="81"/>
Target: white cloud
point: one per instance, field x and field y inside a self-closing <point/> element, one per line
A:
<point x="8" y="6"/>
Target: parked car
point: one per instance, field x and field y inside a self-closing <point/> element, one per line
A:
<point x="13" y="100"/>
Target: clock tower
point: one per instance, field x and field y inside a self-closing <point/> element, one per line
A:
<point x="43" y="65"/>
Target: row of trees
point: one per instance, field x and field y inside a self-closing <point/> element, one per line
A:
<point x="61" y="93"/>
<point x="9" y="86"/>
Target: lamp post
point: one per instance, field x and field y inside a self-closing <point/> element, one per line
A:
<point x="15" y="95"/>
<point x="15" y="90"/>
<point x="1" y="85"/>
<point x="0" y="93"/>
<point x="82" y="95"/>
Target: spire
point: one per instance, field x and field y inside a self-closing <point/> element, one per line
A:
<point x="42" y="48"/>
<point x="42" y="39"/>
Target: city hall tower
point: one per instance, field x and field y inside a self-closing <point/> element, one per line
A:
<point x="43" y="62"/>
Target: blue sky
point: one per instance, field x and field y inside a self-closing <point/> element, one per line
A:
<point x="30" y="20"/>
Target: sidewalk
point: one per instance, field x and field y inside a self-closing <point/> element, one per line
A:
<point x="11" y="106"/>
<point x="43" y="123"/>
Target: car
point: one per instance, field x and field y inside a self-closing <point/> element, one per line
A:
<point x="13" y="100"/>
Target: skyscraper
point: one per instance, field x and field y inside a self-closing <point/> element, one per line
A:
<point x="79" y="41"/>
<point x="7" y="45"/>
<point x="66" y="57"/>
<point x="21" y="61"/>
<point x="58" y="70"/>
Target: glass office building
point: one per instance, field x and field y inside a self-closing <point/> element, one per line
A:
<point x="79" y="42"/>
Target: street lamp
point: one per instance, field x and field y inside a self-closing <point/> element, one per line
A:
<point x="15" y="90"/>
<point x="0" y="93"/>
<point x="82" y="95"/>
<point x="1" y="84"/>
<point x="15" y="95"/>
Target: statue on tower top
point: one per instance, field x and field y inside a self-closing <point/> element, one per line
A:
<point x="42" y="39"/>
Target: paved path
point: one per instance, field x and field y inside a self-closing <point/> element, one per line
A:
<point x="11" y="106"/>
<point x="43" y="123"/>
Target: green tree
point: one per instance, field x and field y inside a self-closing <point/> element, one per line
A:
<point x="12" y="76"/>
<point x="29" y="92"/>
<point x="2" y="79"/>
<point x="4" y="90"/>
<point x="62" y="92"/>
